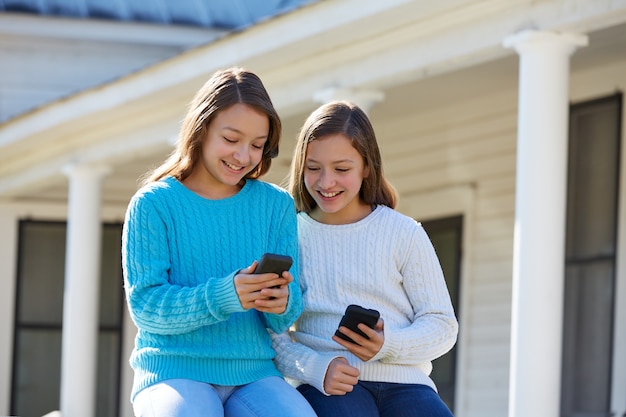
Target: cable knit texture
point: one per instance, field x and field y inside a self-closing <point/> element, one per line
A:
<point x="180" y="253"/>
<point x="387" y="262"/>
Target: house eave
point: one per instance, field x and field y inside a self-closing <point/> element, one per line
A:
<point x="323" y="49"/>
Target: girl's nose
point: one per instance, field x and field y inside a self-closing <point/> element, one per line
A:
<point x="325" y="180"/>
<point x="242" y="155"/>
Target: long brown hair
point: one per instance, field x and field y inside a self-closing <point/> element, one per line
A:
<point x="346" y="118"/>
<point x="224" y="89"/>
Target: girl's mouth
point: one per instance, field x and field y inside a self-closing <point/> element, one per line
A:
<point x="233" y="167"/>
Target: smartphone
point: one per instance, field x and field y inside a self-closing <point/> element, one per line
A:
<point x="354" y="315"/>
<point x="271" y="262"/>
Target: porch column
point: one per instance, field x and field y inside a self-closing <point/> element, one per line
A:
<point x="365" y="99"/>
<point x="540" y="208"/>
<point x="81" y="293"/>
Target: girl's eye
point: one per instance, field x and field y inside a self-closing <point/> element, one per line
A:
<point x="312" y="168"/>
<point x="229" y="140"/>
<point x="343" y="169"/>
<point x="258" y="146"/>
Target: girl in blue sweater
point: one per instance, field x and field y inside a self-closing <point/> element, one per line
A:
<point x="192" y="237"/>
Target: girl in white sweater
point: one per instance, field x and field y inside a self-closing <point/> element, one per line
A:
<point x="356" y="249"/>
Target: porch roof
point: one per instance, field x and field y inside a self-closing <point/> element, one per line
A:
<point x="418" y="53"/>
<point x="229" y="15"/>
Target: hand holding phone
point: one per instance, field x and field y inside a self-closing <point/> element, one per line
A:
<point x="252" y="290"/>
<point x="353" y="316"/>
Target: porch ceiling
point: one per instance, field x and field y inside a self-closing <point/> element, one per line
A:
<point x="432" y="48"/>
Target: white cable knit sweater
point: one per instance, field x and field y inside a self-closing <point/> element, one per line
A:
<point x="384" y="261"/>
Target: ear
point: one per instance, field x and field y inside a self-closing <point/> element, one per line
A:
<point x="366" y="171"/>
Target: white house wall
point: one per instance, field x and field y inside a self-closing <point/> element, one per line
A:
<point x="44" y="59"/>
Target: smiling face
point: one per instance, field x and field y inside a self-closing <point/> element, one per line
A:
<point x="333" y="175"/>
<point x="232" y="148"/>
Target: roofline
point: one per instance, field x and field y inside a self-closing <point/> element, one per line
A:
<point x="101" y="30"/>
<point x="313" y="57"/>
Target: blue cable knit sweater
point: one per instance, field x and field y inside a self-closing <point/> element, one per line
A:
<point x="180" y="253"/>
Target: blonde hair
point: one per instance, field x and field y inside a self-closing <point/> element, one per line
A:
<point x="341" y="117"/>
<point x="224" y="89"/>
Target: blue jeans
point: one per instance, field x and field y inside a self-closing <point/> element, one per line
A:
<point x="268" y="397"/>
<point x="378" y="399"/>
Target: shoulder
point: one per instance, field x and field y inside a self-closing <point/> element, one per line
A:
<point x="153" y="194"/>
<point x="403" y="230"/>
<point x="397" y="221"/>
<point x="270" y="190"/>
<point x="156" y="189"/>
<point x="267" y="187"/>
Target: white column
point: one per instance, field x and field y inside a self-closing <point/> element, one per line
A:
<point x="9" y="222"/>
<point x="81" y="293"/>
<point x="365" y="99"/>
<point x="540" y="208"/>
<point x="129" y="332"/>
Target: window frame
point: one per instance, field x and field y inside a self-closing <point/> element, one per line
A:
<point x="117" y="328"/>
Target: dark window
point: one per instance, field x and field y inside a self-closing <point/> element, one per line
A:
<point x="591" y="242"/>
<point x="446" y="236"/>
<point x="39" y="317"/>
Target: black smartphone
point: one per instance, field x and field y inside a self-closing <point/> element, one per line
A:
<point x="354" y="315"/>
<point x="271" y="262"/>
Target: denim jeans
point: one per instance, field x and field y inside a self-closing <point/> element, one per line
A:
<point x="378" y="399"/>
<point x="268" y="397"/>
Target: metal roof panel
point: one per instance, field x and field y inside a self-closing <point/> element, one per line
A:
<point x="230" y="15"/>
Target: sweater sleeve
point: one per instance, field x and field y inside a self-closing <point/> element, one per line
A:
<point x="156" y="305"/>
<point x="297" y="361"/>
<point x="434" y="328"/>
<point x="285" y="241"/>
